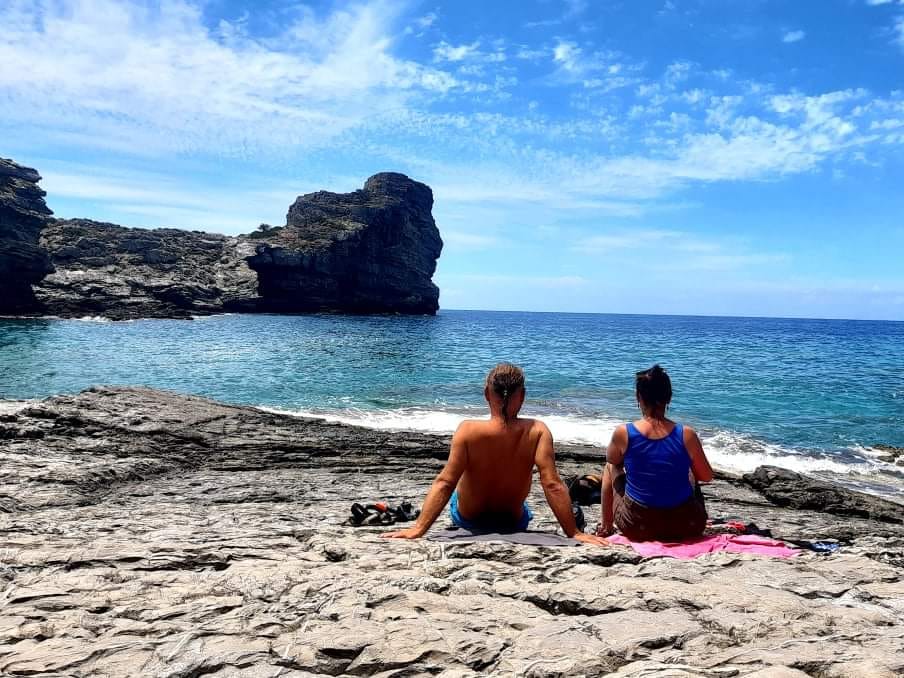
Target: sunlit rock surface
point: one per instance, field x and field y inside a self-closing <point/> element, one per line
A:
<point x="146" y="533"/>
<point x="124" y="273"/>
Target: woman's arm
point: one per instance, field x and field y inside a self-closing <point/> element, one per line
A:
<point x="703" y="472"/>
<point x="615" y="456"/>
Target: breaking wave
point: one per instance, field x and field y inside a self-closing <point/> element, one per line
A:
<point x="728" y="450"/>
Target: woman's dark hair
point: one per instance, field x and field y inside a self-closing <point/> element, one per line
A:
<point x="504" y="380"/>
<point x="654" y="388"/>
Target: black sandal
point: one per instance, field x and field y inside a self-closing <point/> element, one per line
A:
<point x="381" y="514"/>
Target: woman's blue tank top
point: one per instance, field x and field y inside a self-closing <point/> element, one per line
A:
<point x="656" y="471"/>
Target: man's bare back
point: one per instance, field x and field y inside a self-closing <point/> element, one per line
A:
<point x="499" y="465"/>
<point x="491" y="463"/>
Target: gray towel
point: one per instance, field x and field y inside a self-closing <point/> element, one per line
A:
<point x="530" y="538"/>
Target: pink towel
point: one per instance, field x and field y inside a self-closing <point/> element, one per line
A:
<point x="736" y="543"/>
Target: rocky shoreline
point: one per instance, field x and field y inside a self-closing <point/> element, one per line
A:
<point x="373" y="250"/>
<point x="154" y="534"/>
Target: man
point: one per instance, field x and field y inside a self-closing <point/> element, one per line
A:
<point x="490" y="469"/>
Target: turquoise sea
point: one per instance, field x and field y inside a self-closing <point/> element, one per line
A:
<point x="815" y="396"/>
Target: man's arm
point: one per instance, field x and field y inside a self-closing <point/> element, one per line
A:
<point x="443" y="487"/>
<point x="556" y="493"/>
<point x="615" y="457"/>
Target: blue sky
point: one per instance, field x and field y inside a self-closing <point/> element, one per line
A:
<point x="740" y="157"/>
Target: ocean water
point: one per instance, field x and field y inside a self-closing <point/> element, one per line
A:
<point x="815" y="396"/>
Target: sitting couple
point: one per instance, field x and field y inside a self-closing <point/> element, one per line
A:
<point x="649" y="483"/>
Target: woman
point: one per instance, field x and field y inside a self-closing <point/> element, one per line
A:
<point x="653" y="466"/>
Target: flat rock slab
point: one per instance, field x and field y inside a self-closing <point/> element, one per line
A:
<point x="145" y="533"/>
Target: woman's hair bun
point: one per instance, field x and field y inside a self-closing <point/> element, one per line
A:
<point x="654" y="387"/>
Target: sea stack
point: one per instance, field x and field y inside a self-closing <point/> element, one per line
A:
<point x="370" y="251"/>
<point x="23" y="214"/>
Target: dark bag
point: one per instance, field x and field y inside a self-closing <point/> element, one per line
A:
<point x="585" y="490"/>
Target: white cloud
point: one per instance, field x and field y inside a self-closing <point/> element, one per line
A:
<point x="151" y="200"/>
<point x="567" y="55"/>
<point x="120" y="76"/>
<point x="592" y="70"/>
<point x="158" y="77"/>
<point x="467" y="52"/>
<point x="426" y="21"/>
<point x="446" y="52"/>
<point x="677" y="72"/>
<point x="793" y="36"/>
<point x="678" y="250"/>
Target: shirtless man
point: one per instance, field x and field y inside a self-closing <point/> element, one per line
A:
<point x="490" y="469"/>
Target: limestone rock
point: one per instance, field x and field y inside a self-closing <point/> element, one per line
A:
<point x="370" y="251"/>
<point x="123" y="273"/>
<point x="151" y="534"/>
<point x="23" y="213"/>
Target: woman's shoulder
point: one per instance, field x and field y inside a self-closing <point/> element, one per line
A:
<point x="621" y="433"/>
<point x="688" y="433"/>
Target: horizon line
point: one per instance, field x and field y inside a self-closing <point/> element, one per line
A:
<point x="679" y="315"/>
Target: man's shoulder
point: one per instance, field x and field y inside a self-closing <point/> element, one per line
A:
<point x="468" y="426"/>
<point x="537" y="425"/>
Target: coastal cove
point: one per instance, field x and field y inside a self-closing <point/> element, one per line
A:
<point x="819" y="397"/>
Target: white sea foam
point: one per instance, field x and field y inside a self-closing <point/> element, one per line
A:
<point x="13" y="406"/>
<point x="743" y="453"/>
<point x="211" y="316"/>
<point x="727" y="450"/>
<point x="566" y="429"/>
<point x="93" y="319"/>
<point x="402" y="419"/>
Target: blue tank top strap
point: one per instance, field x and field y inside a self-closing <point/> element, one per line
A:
<point x="632" y="429"/>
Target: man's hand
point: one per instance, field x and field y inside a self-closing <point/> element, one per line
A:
<point x="407" y="533"/>
<point x="591" y="539"/>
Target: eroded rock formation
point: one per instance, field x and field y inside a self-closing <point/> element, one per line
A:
<point x="124" y="273"/>
<point x="146" y="533"/>
<point x="370" y="251"/>
<point x="23" y="213"/>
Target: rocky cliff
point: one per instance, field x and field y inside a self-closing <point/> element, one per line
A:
<point x="370" y="251"/>
<point x="123" y="273"/>
<point x="23" y="214"/>
<point x="150" y="534"/>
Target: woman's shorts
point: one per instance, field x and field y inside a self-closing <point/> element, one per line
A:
<point x="639" y="522"/>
